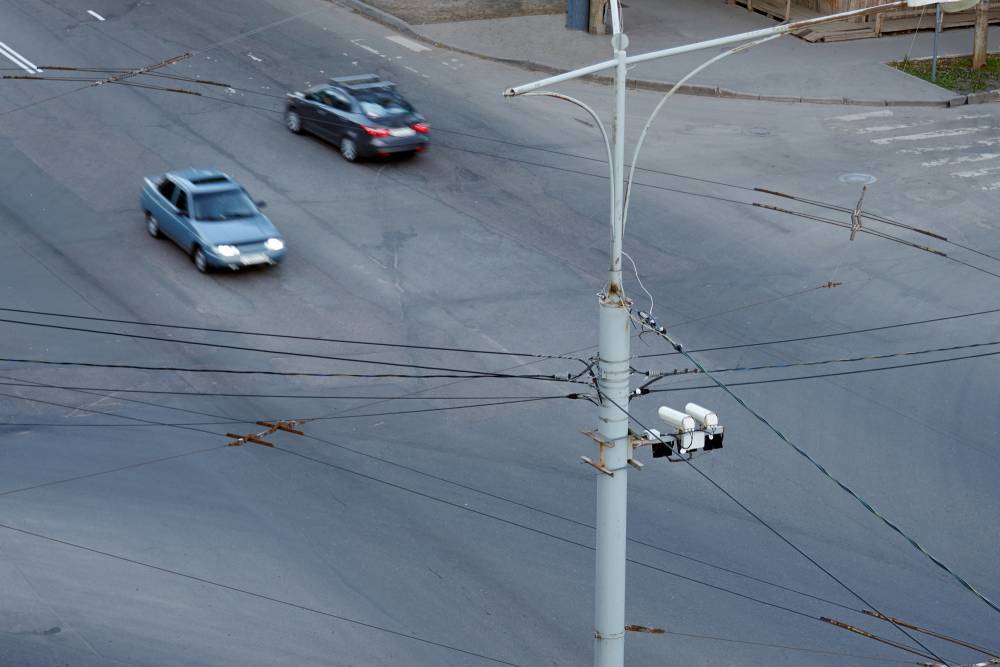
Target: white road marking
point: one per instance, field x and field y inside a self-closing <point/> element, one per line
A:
<point x="970" y="116"/>
<point x="975" y="172"/>
<point x="95" y="15"/>
<point x="889" y="128"/>
<point x="932" y="135"/>
<point x="18" y="59"/>
<point x="411" y="69"/>
<point x="255" y="58"/>
<point x="935" y="149"/>
<point x="356" y="42"/>
<point x="992" y="186"/>
<point x="978" y="157"/>
<point x="861" y="116"/>
<point x="993" y="141"/>
<point x="408" y="43"/>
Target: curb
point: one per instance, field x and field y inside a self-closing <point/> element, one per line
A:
<point x="399" y="24"/>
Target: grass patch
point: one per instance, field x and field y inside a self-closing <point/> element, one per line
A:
<point x="956" y="74"/>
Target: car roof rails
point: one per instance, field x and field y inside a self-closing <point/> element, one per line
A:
<point x="362" y="82"/>
<point x="354" y="80"/>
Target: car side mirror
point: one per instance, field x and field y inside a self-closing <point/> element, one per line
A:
<point x="260" y="204"/>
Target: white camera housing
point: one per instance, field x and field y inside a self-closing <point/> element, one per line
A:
<point x="686" y="438"/>
<point x="703" y="416"/>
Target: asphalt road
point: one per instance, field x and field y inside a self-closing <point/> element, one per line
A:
<point x="461" y="537"/>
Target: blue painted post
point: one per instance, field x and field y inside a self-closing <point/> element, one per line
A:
<point x="577" y="14"/>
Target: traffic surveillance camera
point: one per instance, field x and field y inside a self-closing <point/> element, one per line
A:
<point x="703" y="416"/>
<point x="684" y="423"/>
<point x="685" y="437"/>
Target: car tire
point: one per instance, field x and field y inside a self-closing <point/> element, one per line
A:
<point x="200" y="260"/>
<point x="348" y="149"/>
<point x="293" y="122"/>
<point x="152" y="226"/>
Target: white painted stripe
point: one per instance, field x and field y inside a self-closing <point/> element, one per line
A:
<point x="889" y="128"/>
<point x="970" y="116"/>
<point x="992" y="141"/>
<point x="355" y="42"/>
<point x="18" y="59"/>
<point x="935" y="149"/>
<point x="411" y="69"/>
<point x="992" y="186"/>
<point x="932" y="135"/>
<point x="975" y="173"/>
<point x="861" y="116"/>
<point x="408" y="43"/>
<point x="95" y="15"/>
<point x="978" y="157"/>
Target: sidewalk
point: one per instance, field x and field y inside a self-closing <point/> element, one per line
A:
<point x="788" y="69"/>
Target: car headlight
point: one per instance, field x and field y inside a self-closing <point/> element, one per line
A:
<point x="274" y="244"/>
<point x="227" y="250"/>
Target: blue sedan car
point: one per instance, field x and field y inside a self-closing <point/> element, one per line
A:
<point x="212" y="218"/>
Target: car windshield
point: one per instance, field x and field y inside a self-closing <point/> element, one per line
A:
<point x="225" y="205"/>
<point x="380" y="104"/>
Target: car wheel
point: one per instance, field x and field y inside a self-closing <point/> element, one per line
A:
<point x="293" y="122"/>
<point x="200" y="260"/>
<point x="348" y="149"/>
<point x="152" y="226"/>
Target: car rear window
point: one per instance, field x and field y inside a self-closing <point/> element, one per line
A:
<point x="223" y="205"/>
<point x="381" y="104"/>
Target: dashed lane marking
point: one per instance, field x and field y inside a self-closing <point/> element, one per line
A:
<point x="861" y="116"/>
<point x="18" y="59"/>
<point x="408" y="43"/>
<point x="357" y="42"/>
<point x="978" y="157"/>
<point x="933" y="135"/>
<point x="95" y="15"/>
<point x="890" y="128"/>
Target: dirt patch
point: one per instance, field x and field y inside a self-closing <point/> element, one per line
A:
<point x="447" y="11"/>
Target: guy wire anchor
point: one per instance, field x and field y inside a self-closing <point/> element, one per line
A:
<point x="856" y="214"/>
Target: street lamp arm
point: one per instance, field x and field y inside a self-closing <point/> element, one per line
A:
<point x="674" y="89"/>
<point x="600" y="126"/>
<point x="708" y="44"/>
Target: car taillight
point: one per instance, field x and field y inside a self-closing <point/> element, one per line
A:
<point x="376" y="131"/>
<point x="422" y="127"/>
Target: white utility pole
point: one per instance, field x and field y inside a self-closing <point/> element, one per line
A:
<point x="613" y="368"/>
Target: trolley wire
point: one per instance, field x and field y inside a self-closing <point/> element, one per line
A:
<point x="841" y="485"/>
<point x="852" y="332"/>
<point x="775" y="531"/>
<point x="318" y="339"/>
<point x="253" y="594"/>
<point x="459" y="506"/>
<point x="480" y="374"/>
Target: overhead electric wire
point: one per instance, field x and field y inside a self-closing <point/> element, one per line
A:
<point x="317" y="339"/>
<point x="464" y="508"/>
<point x="482" y="374"/>
<point x="857" y="371"/>
<point x="853" y="494"/>
<point x="259" y="596"/>
<point x="822" y="362"/>
<point x="388" y="462"/>
<point x="852" y="332"/>
<point x="773" y="530"/>
<point x="223" y="394"/>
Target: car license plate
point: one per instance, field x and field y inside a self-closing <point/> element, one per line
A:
<point x="254" y="258"/>
<point x="402" y="131"/>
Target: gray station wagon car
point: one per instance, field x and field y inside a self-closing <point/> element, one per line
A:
<point x="211" y="217"/>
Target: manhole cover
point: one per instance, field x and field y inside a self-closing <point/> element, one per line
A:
<point x="857" y="179"/>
